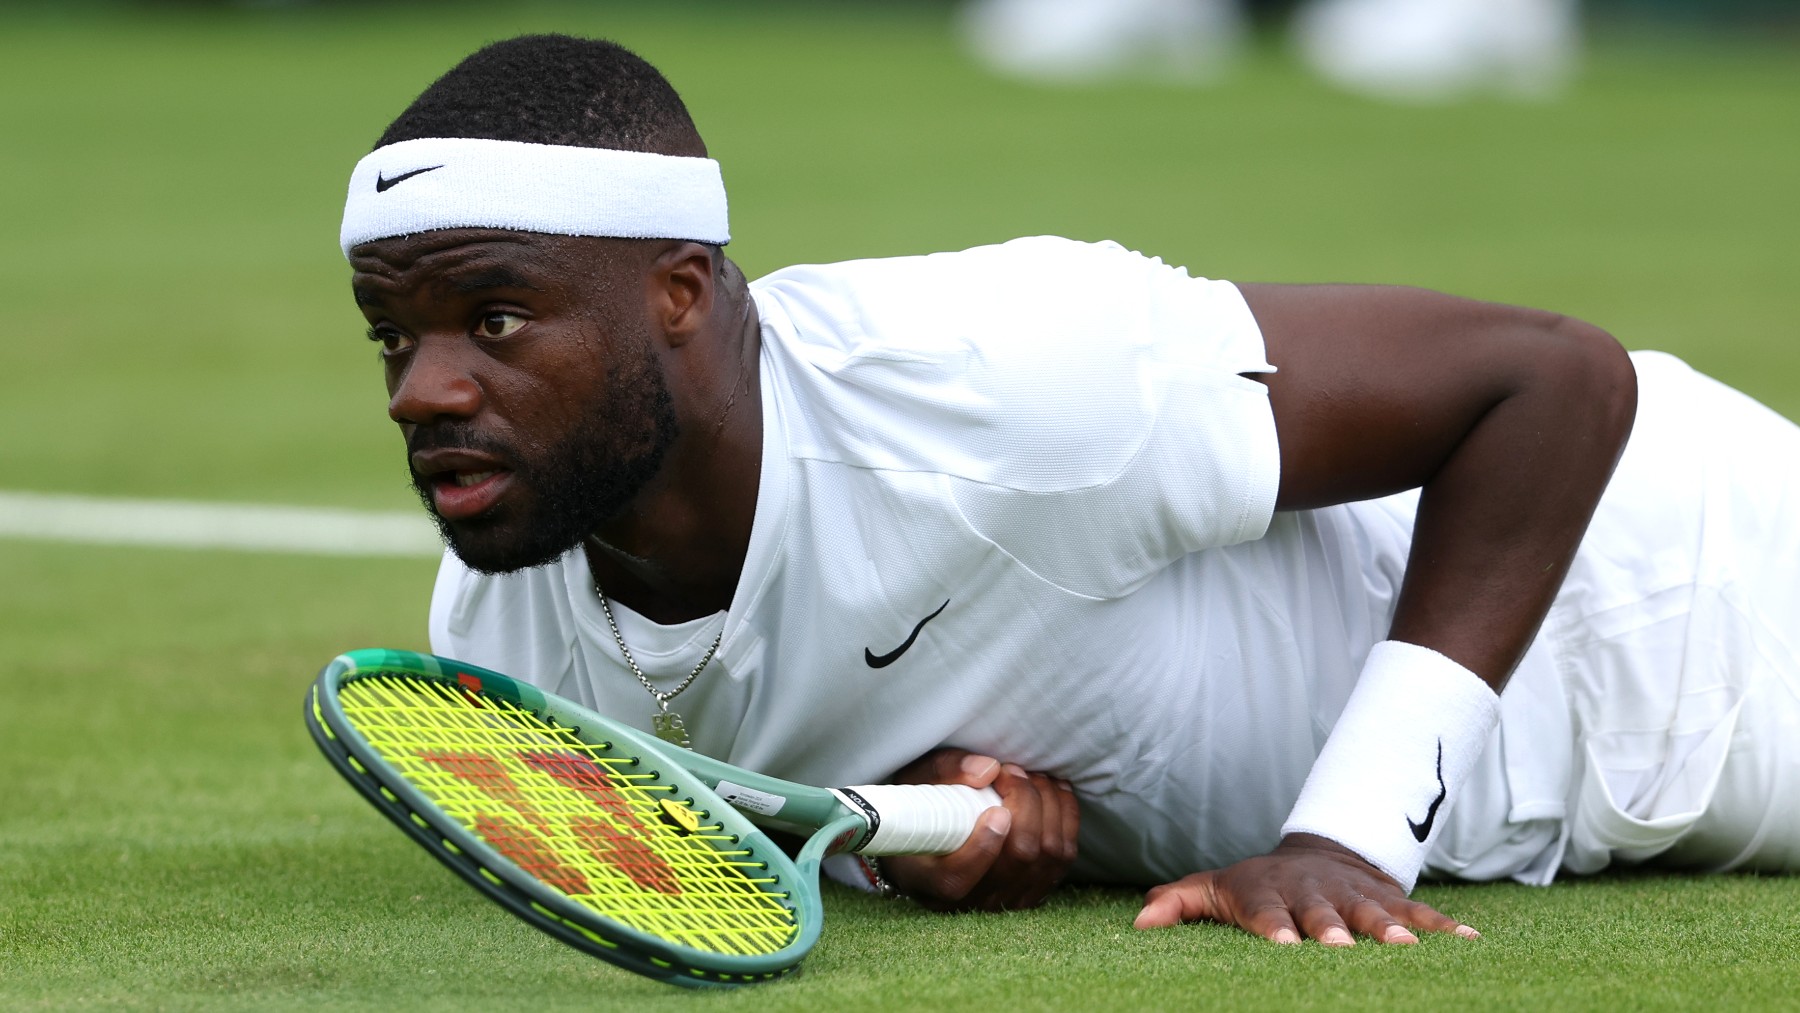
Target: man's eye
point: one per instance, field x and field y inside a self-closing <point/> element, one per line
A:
<point x="391" y="341"/>
<point x="499" y="325"/>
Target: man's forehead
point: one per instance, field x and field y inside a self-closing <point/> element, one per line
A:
<point x="445" y="248"/>
<point x="475" y="258"/>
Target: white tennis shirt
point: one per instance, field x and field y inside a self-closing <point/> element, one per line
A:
<point x="1020" y="499"/>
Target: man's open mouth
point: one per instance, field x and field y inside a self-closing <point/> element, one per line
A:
<point x="462" y="494"/>
<point x="462" y="482"/>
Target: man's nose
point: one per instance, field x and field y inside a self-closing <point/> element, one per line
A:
<point x="437" y="383"/>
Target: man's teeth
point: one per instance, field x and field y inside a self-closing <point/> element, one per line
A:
<point x="469" y="478"/>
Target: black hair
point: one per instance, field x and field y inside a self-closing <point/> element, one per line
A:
<point x="553" y="89"/>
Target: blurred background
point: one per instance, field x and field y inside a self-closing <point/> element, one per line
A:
<point x="177" y="325"/>
<point x="173" y="176"/>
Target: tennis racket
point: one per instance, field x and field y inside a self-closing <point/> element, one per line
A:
<point x="614" y="842"/>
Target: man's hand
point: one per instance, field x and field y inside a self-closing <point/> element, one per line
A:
<point x="1307" y="886"/>
<point x="1020" y="850"/>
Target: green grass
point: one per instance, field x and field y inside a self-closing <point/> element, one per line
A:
<point x="170" y="840"/>
<point x="179" y="326"/>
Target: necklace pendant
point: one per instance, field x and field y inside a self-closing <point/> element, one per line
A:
<point x="669" y="727"/>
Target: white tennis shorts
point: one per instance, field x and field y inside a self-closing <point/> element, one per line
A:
<point x="1678" y="639"/>
<point x="1656" y="719"/>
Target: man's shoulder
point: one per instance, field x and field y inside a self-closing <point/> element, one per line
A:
<point x="1022" y="247"/>
<point x="1038" y="366"/>
<point x="1018" y="256"/>
<point x="967" y="364"/>
<point x="1010" y="310"/>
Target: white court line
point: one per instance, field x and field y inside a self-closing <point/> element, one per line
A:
<point x="248" y="527"/>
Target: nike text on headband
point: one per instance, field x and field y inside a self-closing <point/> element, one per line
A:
<point x="461" y="182"/>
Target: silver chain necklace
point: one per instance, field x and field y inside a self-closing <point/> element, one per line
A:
<point x="667" y="724"/>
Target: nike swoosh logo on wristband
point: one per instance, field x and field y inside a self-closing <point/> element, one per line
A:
<point x="1420" y="831"/>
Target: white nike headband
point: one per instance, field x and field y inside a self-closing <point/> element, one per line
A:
<point x="462" y="182"/>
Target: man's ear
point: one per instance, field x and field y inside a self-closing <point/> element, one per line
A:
<point x="682" y="291"/>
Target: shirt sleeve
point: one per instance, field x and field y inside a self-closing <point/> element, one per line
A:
<point x="1086" y="406"/>
<point x="1201" y="468"/>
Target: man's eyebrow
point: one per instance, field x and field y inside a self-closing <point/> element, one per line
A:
<point x="364" y="297"/>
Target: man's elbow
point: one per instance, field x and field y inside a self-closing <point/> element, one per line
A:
<point x="1595" y="373"/>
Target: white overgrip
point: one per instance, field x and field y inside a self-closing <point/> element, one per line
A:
<point x="918" y="819"/>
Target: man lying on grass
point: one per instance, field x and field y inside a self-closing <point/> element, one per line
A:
<point x="1230" y="577"/>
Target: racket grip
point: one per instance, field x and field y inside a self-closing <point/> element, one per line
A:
<point x="922" y="819"/>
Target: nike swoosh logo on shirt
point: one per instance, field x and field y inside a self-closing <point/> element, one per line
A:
<point x="884" y="660"/>
<point x="383" y="183"/>
<point x="1420" y="831"/>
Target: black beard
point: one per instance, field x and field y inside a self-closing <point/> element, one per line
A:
<point x="565" y="493"/>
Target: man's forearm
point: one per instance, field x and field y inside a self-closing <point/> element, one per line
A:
<point x="1499" y="523"/>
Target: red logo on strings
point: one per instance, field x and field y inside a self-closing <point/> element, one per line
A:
<point x="617" y="840"/>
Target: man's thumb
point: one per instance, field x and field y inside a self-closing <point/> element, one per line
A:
<point x="1174" y="903"/>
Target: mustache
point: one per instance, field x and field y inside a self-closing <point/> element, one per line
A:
<point x="458" y="436"/>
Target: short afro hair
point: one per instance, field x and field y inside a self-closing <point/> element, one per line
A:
<point x="553" y="89"/>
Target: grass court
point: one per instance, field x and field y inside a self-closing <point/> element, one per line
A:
<point x="179" y="325"/>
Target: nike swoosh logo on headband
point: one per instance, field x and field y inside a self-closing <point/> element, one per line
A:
<point x="382" y="184"/>
<point x="884" y="660"/>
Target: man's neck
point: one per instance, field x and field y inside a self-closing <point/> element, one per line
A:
<point x="678" y="551"/>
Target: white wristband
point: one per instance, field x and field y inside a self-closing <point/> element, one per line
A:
<point x="1408" y="739"/>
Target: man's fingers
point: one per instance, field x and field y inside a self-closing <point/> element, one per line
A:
<point x="1061" y="819"/>
<point x="1426" y="918"/>
<point x="1014" y="878"/>
<point x="1273" y="922"/>
<point x="955" y="766"/>
<point x="1189" y="899"/>
<point x="1071" y="815"/>
<point x="1197" y="898"/>
<point x="1369" y="918"/>
<point x="1022" y="795"/>
<point x="1019" y="852"/>
<point x="1307" y="888"/>
<point x="963" y="869"/>
<point x="1317" y="918"/>
<point x="950" y="765"/>
<point x="947" y="880"/>
<point x="1056" y="849"/>
<point x="1161" y="910"/>
<point x="1392" y="921"/>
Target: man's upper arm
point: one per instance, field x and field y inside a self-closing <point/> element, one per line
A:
<point x="1509" y="420"/>
<point x="1376" y="386"/>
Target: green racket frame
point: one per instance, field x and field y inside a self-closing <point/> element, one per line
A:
<point x="694" y="777"/>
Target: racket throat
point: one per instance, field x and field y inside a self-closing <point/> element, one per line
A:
<point x="871" y="821"/>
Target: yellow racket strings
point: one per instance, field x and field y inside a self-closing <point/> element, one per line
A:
<point x="590" y="822"/>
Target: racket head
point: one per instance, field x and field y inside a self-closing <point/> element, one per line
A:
<point x="580" y="826"/>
